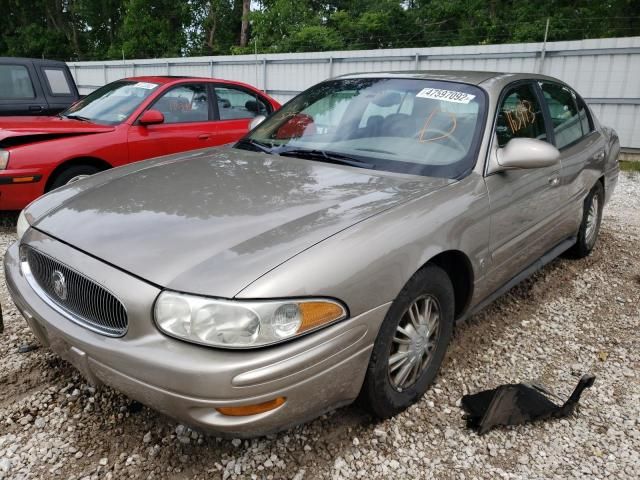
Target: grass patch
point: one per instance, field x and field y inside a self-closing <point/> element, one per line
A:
<point x="630" y="166"/>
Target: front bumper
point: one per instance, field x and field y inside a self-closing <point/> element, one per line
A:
<point x="15" y="192"/>
<point x="315" y="373"/>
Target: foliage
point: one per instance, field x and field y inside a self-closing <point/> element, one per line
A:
<point x="109" y="29"/>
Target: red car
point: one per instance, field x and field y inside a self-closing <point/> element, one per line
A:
<point x="125" y="121"/>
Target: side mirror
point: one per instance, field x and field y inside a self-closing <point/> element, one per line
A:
<point x="526" y="153"/>
<point x="255" y="121"/>
<point x="151" y="117"/>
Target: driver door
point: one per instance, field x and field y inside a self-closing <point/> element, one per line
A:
<point x="525" y="203"/>
<point x="188" y="124"/>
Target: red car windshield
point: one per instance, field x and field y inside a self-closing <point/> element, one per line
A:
<point x="111" y="104"/>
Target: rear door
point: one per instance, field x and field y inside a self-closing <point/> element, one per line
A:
<point x="525" y="203"/>
<point x="188" y="123"/>
<point x="20" y="89"/>
<point x="58" y="86"/>
<point x="235" y="107"/>
<point x="581" y="145"/>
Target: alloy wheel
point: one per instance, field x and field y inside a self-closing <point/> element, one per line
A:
<point x="414" y="342"/>
<point x="592" y="220"/>
<point x="76" y="178"/>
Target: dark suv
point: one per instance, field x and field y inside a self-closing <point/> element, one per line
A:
<point x="35" y="87"/>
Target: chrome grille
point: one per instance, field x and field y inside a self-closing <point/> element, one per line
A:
<point x="83" y="300"/>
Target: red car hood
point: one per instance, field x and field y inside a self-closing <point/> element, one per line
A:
<point x="16" y="130"/>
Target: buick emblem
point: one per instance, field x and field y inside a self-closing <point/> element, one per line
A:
<point x="59" y="284"/>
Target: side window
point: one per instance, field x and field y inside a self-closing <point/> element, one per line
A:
<point x="564" y="113"/>
<point x="585" y="116"/>
<point x="15" y="82"/>
<point x="520" y="116"/>
<point x="234" y="103"/>
<point x="184" y="104"/>
<point x="57" y="81"/>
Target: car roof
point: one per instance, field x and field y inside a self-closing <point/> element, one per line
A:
<point x="43" y="61"/>
<point x="164" y="79"/>
<point x="462" y="76"/>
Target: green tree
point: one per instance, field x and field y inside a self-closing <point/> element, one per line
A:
<point x="101" y="29"/>
<point x="216" y="26"/>
<point x="153" y="28"/>
<point x="102" y="20"/>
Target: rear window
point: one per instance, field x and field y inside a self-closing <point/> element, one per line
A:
<point x="15" y="82"/>
<point x="564" y="113"/>
<point x="57" y="80"/>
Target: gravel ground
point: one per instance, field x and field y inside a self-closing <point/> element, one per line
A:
<point x="570" y="318"/>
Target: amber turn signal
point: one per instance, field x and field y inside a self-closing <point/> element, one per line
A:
<point x="315" y="314"/>
<point x="247" y="410"/>
<point x="23" y="179"/>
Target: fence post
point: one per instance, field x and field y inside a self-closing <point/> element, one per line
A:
<point x="264" y="75"/>
<point x="544" y="46"/>
<point x="211" y="68"/>
<point x="330" y="67"/>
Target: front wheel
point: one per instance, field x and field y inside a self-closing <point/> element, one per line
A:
<point x="411" y="344"/>
<point x="590" y="225"/>
<point x="72" y="174"/>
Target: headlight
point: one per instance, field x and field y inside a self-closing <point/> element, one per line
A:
<point x="242" y="324"/>
<point x="4" y="159"/>
<point x="22" y="225"/>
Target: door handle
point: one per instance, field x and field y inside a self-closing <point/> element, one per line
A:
<point x="554" y="180"/>
<point x="204" y="136"/>
<point x="35" y="108"/>
<point x="599" y="156"/>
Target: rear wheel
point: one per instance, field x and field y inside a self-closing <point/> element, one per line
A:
<point x="72" y="174"/>
<point x="590" y="226"/>
<point x="411" y="344"/>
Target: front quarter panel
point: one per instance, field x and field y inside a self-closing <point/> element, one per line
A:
<point x="367" y="264"/>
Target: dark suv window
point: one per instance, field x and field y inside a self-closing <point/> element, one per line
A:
<point x="57" y="80"/>
<point x="15" y="82"/>
<point x="564" y="113"/>
<point x="520" y="116"/>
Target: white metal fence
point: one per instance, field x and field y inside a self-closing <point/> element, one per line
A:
<point x="605" y="71"/>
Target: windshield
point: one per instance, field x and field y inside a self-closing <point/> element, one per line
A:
<point x="112" y="103"/>
<point x="421" y="127"/>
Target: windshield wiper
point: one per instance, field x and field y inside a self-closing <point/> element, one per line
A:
<point x="77" y="117"/>
<point x="324" y="156"/>
<point x="256" y="145"/>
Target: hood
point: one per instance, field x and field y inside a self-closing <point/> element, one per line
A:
<point x="20" y="130"/>
<point x="211" y="222"/>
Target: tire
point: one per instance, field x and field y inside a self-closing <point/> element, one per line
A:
<point x="383" y="393"/>
<point x="590" y="225"/>
<point x="70" y="174"/>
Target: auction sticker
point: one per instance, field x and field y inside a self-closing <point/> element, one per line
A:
<point x="146" y="85"/>
<point x="446" y="95"/>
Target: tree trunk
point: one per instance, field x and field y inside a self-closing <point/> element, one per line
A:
<point x="244" y="28"/>
<point x="213" y="18"/>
